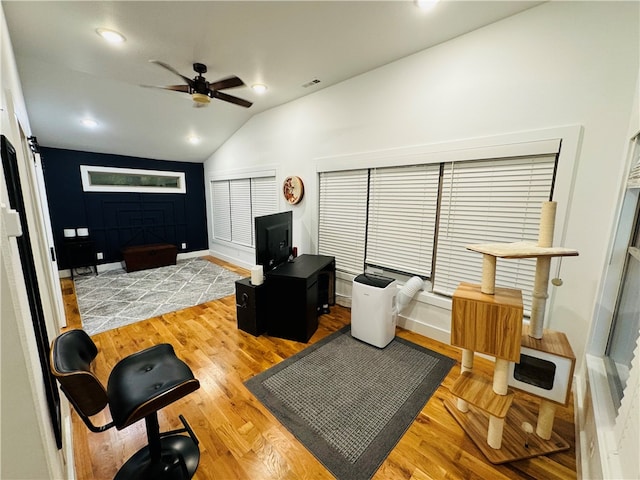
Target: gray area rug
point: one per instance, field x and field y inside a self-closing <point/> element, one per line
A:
<point x="349" y="402"/>
<point x="116" y="298"/>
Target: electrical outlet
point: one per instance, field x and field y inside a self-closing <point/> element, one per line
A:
<point x="99" y="255"/>
<point x="184" y="245"/>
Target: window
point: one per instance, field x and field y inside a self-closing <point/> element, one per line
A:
<point x="623" y="336"/>
<point x="343" y="218"/>
<point x="235" y="204"/>
<point x="490" y="201"/>
<point x="113" y="179"/>
<point x="417" y="219"/>
<point x="402" y="218"/>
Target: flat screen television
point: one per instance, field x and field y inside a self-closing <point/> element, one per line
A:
<point x="273" y="239"/>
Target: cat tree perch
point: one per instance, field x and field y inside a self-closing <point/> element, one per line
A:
<point x="542" y="252"/>
<point x="488" y="319"/>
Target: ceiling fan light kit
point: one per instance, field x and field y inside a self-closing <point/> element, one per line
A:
<point x="200" y="98"/>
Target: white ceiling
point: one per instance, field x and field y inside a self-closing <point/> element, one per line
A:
<point x="69" y="73"/>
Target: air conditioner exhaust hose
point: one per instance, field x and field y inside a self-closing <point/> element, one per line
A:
<point x="407" y="292"/>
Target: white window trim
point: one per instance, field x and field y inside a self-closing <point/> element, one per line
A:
<point x="243" y="173"/>
<point x="85" y="170"/>
<point x="607" y="428"/>
<point x="502" y="146"/>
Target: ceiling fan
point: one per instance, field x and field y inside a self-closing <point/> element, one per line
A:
<point x="200" y="89"/>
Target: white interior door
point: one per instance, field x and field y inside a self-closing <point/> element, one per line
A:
<point x="48" y="231"/>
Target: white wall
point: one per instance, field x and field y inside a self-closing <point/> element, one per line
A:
<point x="27" y="442"/>
<point x="562" y="63"/>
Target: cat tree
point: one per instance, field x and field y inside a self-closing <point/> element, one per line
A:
<point x="489" y="320"/>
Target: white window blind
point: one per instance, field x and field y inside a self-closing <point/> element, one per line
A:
<point x="490" y="201"/>
<point x="236" y="202"/>
<point x="403" y="204"/>
<point x="264" y="200"/>
<point x="221" y="210"/>
<point x="241" y="219"/>
<point x="343" y="218"/>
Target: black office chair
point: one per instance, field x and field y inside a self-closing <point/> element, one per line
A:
<point x="138" y="386"/>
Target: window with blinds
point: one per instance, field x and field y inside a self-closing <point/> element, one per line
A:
<point x="403" y="202"/>
<point x="221" y="201"/>
<point x="236" y="202"/>
<point x="622" y="345"/>
<point x="264" y="200"/>
<point x="343" y="218"/>
<point x="490" y="201"/>
<point x="240" y="206"/>
<point x="418" y="219"/>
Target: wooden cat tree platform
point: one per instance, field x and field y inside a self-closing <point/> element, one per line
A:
<point x="489" y="320"/>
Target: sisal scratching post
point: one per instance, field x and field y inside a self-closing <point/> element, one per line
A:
<point x="488" y="274"/>
<point x="543" y="266"/>
<point x="500" y="387"/>
<point x="494" y="434"/>
<point x="546" y="414"/>
<point x="547" y="224"/>
<point x="500" y="376"/>
<point x="466" y="366"/>
<point x="539" y="297"/>
<point x="467" y="360"/>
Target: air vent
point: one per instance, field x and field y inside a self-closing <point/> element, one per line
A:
<point x="312" y="82"/>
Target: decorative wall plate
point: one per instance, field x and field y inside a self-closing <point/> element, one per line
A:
<point x="293" y="189"/>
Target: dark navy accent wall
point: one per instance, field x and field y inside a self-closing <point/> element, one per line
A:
<point x="116" y="220"/>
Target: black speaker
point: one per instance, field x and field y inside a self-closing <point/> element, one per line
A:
<point x="251" y="309"/>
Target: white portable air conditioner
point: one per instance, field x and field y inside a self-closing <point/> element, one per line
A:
<point x="373" y="310"/>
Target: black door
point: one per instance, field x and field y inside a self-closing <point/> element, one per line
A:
<point x="16" y="202"/>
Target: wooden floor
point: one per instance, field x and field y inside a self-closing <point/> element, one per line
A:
<point x="240" y="439"/>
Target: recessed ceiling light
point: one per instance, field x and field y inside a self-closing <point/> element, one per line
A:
<point x="89" y="122"/>
<point x="110" y="36"/>
<point x="426" y="4"/>
<point x="259" y="87"/>
<point x="193" y="139"/>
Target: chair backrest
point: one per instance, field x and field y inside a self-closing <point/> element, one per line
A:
<point x="71" y="355"/>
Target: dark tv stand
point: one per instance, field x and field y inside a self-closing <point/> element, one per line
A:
<point x="297" y="293"/>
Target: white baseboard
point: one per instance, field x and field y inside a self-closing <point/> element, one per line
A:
<point x="195" y="254"/>
<point x="579" y="407"/>
<point x="430" y="331"/>
<point x="233" y="260"/>
<point x="105" y="267"/>
<point x="598" y="450"/>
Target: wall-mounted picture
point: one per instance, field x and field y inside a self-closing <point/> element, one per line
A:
<point x="293" y="189"/>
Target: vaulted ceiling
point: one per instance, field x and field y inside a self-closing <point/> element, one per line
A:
<point x="295" y="48"/>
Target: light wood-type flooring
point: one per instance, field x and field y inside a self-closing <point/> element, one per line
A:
<point x="240" y="439"/>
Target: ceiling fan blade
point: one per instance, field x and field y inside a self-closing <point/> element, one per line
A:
<point x="175" y="88"/>
<point x="172" y="70"/>
<point x="229" y="82"/>
<point x="178" y="88"/>
<point x="231" y="99"/>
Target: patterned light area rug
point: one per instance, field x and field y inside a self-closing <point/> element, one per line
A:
<point x="349" y="402"/>
<point x="116" y="298"/>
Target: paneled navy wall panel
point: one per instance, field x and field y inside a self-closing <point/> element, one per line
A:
<point x="116" y="220"/>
